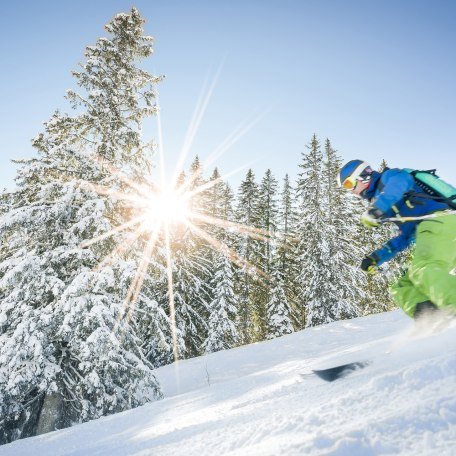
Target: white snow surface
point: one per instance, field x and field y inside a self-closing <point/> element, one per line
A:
<point x="259" y="400"/>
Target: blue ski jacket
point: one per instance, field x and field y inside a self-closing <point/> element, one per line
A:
<point x="395" y="193"/>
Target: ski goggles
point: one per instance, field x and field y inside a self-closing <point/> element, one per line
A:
<point x="350" y="182"/>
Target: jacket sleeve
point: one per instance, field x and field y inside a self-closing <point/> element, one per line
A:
<point x="394" y="184"/>
<point x="391" y="248"/>
<point x="392" y="187"/>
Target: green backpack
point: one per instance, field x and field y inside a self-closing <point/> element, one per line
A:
<point x="434" y="187"/>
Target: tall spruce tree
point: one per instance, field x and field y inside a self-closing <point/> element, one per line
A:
<point x="228" y="204"/>
<point x="347" y="282"/>
<point x="279" y="312"/>
<point x="286" y="250"/>
<point x="223" y="307"/>
<point x="268" y="216"/>
<point x="267" y="221"/>
<point x="247" y="214"/>
<point x="313" y="249"/>
<point x="190" y="293"/>
<point x="216" y="205"/>
<point x="222" y="331"/>
<point x="152" y="314"/>
<point x="190" y="273"/>
<point x="196" y="181"/>
<point x="66" y="354"/>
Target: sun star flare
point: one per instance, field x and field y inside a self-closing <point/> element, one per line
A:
<point x="158" y="209"/>
<point x="168" y="206"/>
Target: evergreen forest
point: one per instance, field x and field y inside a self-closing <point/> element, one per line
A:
<point x="86" y="307"/>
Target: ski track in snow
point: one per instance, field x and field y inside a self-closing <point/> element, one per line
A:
<point x="253" y="401"/>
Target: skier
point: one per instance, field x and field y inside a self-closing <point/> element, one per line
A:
<point x="430" y="281"/>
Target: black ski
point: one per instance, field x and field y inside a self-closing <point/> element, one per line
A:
<point x="334" y="373"/>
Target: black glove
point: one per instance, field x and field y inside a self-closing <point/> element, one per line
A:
<point x="369" y="265"/>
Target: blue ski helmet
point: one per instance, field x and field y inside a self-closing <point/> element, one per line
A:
<point x="353" y="171"/>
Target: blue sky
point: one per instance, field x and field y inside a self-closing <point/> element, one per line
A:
<point x="376" y="77"/>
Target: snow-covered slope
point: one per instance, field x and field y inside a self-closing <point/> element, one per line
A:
<point x="253" y="400"/>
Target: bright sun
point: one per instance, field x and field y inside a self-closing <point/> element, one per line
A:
<point x="168" y="206"/>
<point x="156" y="211"/>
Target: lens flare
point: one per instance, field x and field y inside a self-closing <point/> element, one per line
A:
<point x="156" y="211"/>
<point x="168" y="206"/>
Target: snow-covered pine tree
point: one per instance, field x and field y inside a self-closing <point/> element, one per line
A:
<point x="190" y="257"/>
<point x="228" y="204"/>
<point x="347" y="282"/>
<point x="247" y="214"/>
<point x="268" y="214"/>
<point x="155" y="325"/>
<point x="216" y="203"/>
<point x="190" y="294"/>
<point x="279" y="312"/>
<point x="286" y="251"/>
<point x="65" y="356"/>
<point x="151" y="316"/>
<point x="196" y="180"/>
<point x="219" y="206"/>
<point x="222" y="332"/>
<point x="227" y="212"/>
<point x="313" y="274"/>
<point x="268" y="217"/>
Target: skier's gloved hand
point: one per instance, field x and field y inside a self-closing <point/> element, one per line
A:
<point x="369" y="265"/>
<point x="368" y="221"/>
<point x="371" y="218"/>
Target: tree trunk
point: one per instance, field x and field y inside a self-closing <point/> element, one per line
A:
<point x="50" y="413"/>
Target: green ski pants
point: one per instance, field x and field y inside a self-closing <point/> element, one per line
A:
<point x="431" y="275"/>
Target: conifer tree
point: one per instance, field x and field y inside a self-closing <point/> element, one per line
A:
<point x="267" y="221"/>
<point x="190" y="292"/>
<point x="247" y="214"/>
<point x="268" y="217"/>
<point x="223" y="306"/>
<point x="279" y="313"/>
<point x="286" y="250"/>
<point x="383" y="166"/>
<point x="347" y="281"/>
<point x="190" y="273"/>
<point x="227" y="209"/>
<point x="217" y="203"/>
<point x="313" y="275"/>
<point x="222" y="331"/>
<point x="66" y="354"/>
<point x="198" y="202"/>
<point x="152" y="315"/>
<point x="219" y="206"/>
